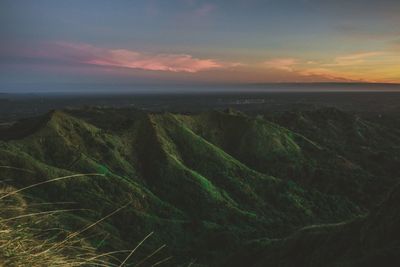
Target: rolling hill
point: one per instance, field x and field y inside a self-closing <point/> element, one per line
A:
<point x="205" y="183"/>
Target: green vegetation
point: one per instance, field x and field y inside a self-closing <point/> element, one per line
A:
<point x="206" y="184"/>
<point x="372" y="240"/>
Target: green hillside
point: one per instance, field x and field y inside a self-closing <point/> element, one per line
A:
<point x="205" y="184"/>
<point x="372" y="240"/>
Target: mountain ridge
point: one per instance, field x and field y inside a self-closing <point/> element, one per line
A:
<point x="193" y="179"/>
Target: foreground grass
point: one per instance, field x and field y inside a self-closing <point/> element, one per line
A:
<point x="30" y="234"/>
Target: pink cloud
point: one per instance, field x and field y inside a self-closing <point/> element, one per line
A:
<point x="124" y="58"/>
<point x="158" y="62"/>
<point x="285" y="64"/>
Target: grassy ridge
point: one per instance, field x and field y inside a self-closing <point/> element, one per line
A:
<point x="203" y="183"/>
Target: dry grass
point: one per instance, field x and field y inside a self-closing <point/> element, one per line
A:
<point x="23" y="240"/>
<point x="26" y="239"/>
<point x="133" y="250"/>
<point x="47" y="182"/>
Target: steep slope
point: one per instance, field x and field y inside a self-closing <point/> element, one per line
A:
<point x="245" y="188"/>
<point x="98" y="196"/>
<point x="275" y="150"/>
<point x="369" y="144"/>
<point x="259" y="144"/>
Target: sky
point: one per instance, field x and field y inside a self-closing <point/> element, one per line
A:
<point x="198" y="41"/>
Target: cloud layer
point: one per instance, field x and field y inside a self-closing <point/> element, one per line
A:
<point x="124" y="58"/>
<point x="355" y="59"/>
<point x="365" y="66"/>
<point x="86" y="59"/>
<point x="285" y="64"/>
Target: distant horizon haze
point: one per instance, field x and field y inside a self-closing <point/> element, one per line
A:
<point x="74" y="88"/>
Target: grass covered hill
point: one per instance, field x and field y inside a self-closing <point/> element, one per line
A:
<point x="373" y="240"/>
<point x="205" y="184"/>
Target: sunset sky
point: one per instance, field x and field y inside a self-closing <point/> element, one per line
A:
<point x="198" y="41"/>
